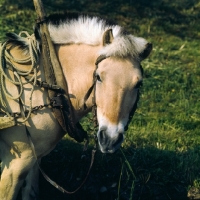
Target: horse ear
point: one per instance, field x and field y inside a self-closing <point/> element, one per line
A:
<point x="147" y="50"/>
<point x="107" y="37"/>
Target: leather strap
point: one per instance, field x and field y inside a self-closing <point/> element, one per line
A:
<point x="87" y="95"/>
<point x="54" y="76"/>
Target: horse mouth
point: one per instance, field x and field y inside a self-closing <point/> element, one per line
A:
<point x="108" y="144"/>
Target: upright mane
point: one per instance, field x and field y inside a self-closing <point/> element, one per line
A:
<point x="89" y="30"/>
<point x="84" y="29"/>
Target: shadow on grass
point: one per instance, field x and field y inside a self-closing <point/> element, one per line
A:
<point x="147" y="173"/>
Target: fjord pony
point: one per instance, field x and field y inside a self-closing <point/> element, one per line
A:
<point x="78" y="43"/>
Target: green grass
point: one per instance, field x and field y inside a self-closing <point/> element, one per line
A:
<point x="160" y="158"/>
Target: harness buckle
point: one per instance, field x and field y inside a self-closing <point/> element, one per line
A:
<point x="57" y="101"/>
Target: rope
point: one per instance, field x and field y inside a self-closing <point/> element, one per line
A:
<point x="6" y="62"/>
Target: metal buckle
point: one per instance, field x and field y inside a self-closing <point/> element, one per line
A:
<point x="57" y="101"/>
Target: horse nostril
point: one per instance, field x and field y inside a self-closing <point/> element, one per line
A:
<point x="119" y="139"/>
<point x="102" y="135"/>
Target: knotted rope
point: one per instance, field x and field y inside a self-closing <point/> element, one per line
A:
<point x="6" y="62"/>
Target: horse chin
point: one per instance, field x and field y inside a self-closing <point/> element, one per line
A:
<point x="108" y="150"/>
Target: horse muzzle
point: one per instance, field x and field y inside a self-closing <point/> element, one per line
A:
<point x="107" y="143"/>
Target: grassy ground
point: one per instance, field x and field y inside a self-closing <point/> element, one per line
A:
<point x="160" y="158"/>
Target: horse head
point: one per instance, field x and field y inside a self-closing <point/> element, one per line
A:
<point x="118" y="73"/>
<point x="117" y="88"/>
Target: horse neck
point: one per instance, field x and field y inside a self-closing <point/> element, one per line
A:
<point x="78" y="63"/>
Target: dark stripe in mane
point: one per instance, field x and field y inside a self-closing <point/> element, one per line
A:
<point x="57" y="19"/>
<point x="66" y="17"/>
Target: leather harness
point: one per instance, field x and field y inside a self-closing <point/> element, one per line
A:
<point x="59" y="98"/>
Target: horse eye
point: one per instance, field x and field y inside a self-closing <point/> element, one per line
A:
<point x="138" y="85"/>
<point x="98" y="78"/>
